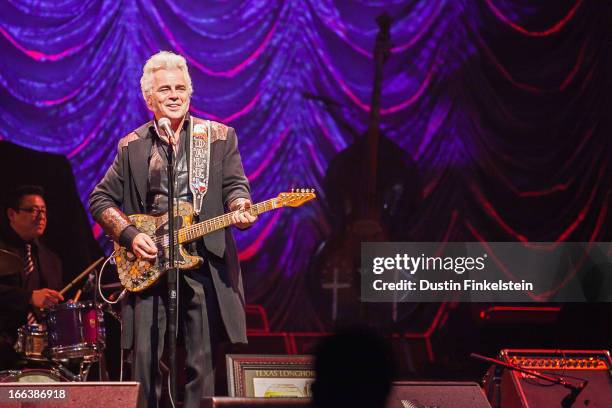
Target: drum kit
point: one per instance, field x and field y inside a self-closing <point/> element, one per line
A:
<point x="63" y="345"/>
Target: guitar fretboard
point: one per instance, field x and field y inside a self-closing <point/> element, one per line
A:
<point x="195" y="231"/>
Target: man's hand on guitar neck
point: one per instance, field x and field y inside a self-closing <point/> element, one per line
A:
<point x="144" y="247"/>
<point x="240" y="216"/>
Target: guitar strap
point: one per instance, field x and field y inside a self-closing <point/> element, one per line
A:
<point x="199" y="161"/>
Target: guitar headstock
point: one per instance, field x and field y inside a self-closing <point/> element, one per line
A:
<point x="296" y="197"/>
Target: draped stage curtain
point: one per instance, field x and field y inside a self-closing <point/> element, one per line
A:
<point x="503" y="106"/>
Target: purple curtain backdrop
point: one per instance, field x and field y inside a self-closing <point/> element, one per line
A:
<point x="503" y="105"/>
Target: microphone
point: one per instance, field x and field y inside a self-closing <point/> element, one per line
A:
<point x="165" y="126"/>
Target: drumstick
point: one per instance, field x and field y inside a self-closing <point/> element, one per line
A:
<point x="77" y="295"/>
<point x="81" y="275"/>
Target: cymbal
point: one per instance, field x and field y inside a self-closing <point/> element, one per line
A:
<point x="10" y="263"/>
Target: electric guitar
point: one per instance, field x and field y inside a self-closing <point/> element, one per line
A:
<point x="138" y="274"/>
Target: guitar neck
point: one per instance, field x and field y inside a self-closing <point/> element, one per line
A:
<point x="195" y="231"/>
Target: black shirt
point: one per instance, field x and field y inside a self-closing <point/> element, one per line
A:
<point x="157" y="191"/>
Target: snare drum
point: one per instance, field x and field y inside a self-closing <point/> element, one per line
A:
<point x="31" y="341"/>
<point x="32" y="375"/>
<point x="75" y="330"/>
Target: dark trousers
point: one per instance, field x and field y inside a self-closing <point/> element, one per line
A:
<point x="200" y="326"/>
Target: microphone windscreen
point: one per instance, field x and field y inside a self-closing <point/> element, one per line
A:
<point x="164" y="128"/>
<point x="163" y="122"/>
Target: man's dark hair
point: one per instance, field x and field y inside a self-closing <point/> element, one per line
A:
<point x="14" y="198"/>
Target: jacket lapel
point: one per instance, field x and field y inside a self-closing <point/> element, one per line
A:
<point x="138" y="153"/>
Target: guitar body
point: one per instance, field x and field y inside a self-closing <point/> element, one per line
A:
<point x="138" y="274"/>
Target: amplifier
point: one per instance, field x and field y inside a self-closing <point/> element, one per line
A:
<point x="436" y="394"/>
<point x="514" y="389"/>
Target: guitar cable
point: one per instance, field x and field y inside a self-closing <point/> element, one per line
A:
<point x="104" y="298"/>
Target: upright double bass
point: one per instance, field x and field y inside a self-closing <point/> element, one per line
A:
<point x="371" y="188"/>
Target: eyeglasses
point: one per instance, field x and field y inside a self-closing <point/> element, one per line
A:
<point x="34" y="211"/>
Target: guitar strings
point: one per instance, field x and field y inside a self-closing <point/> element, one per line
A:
<point x="223" y="221"/>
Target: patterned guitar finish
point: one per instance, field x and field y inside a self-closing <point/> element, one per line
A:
<point x="138" y="274"/>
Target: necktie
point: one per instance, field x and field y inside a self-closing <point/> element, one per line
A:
<point x="29" y="261"/>
<point x="29" y="268"/>
<point x="32" y="318"/>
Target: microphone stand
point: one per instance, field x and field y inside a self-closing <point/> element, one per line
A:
<point x="567" y="402"/>
<point x="172" y="275"/>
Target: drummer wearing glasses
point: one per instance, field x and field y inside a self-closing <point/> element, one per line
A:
<point x="30" y="273"/>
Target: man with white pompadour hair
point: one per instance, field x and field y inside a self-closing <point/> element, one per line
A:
<point x="210" y="175"/>
<point x="163" y="60"/>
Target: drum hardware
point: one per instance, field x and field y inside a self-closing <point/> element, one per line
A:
<point x="31" y="341"/>
<point x="59" y="367"/>
<point x="108" y="309"/>
<point x="84" y="368"/>
<point x="33" y="375"/>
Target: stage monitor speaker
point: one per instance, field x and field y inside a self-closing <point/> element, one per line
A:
<point x="68" y="394"/>
<point x="518" y="390"/>
<point x="407" y="394"/>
